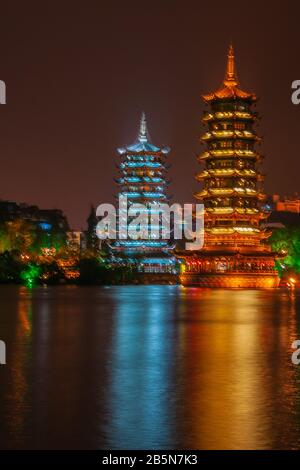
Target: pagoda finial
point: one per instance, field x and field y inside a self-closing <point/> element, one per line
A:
<point x="143" y="129"/>
<point x="230" y="74"/>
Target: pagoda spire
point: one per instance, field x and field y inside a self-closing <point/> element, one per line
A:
<point x="230" y="79"/>
<point x="143" y="129"/>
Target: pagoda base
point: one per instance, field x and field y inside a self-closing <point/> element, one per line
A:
<point x="231" y="280"/>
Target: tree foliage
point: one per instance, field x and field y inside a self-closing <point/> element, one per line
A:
<point x="287" y="242"/>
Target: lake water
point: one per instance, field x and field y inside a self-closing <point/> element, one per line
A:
<point x="157" y="367"/>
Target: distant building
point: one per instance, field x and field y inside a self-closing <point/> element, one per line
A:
<point x="291" y="204"/>
<point x="75" y="240"/>
<point x="284" y="211"/>
<point x="46" y="219"/>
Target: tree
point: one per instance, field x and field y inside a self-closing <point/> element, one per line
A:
<point x="19" y="235"/>
<point x="92" y="241"/>
<point x="286" y="241"/>
<point x="10" y="267"/>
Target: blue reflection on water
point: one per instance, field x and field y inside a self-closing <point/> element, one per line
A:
<point x="143" y="349"/>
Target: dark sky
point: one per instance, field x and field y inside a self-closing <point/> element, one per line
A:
<point x="78" y="75"/>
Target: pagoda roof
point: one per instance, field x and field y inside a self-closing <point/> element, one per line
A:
<point x="143" y="143"/>
<point x="230" y="86"/>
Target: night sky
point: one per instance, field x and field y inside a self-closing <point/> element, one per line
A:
<point x="78" y="76"/>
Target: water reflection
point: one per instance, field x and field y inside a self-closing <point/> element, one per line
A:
<point x="15" y="375"/>
<point x="149" y="366"/>
<point x="143" y="351"/>
<point x="237" y="346"/>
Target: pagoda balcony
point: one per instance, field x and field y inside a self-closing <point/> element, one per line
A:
<point x="143" y="186"/>
<point x="142" y="173"/>
<point x="224" y="153"/>
<point x="249" y="230"/>
<point x="224" y="267"/>
<point x="234" y="115"/>
<point x="241" y="192"/>
<point x="143" y="194"/>
<point x="241" y="239"/>
<point x="233" y="213"/>
<point x="141" y="165"/>
<point x="232" y="210"/>
<point x="223" y="172"/>
<point x="232" y="134"/>
<point x="143" y="179"/>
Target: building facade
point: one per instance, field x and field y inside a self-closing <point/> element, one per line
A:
<point x="287" y="204"/>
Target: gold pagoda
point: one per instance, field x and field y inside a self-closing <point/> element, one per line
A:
<point x="235" y="253"/>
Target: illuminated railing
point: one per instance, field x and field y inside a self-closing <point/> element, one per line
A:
<point x="135" y="195"/>
<point x="222" y="268"/>
<point x="141" y="164"/>
<point x="228" y="153"/>
<point x="227" y="115"/>
<point x="229" y="134"/>
<point x="228" y="172"/>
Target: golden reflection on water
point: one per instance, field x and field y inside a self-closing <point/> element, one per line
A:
<point x="239" y="379"/>
<point x="19" y="359"/>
